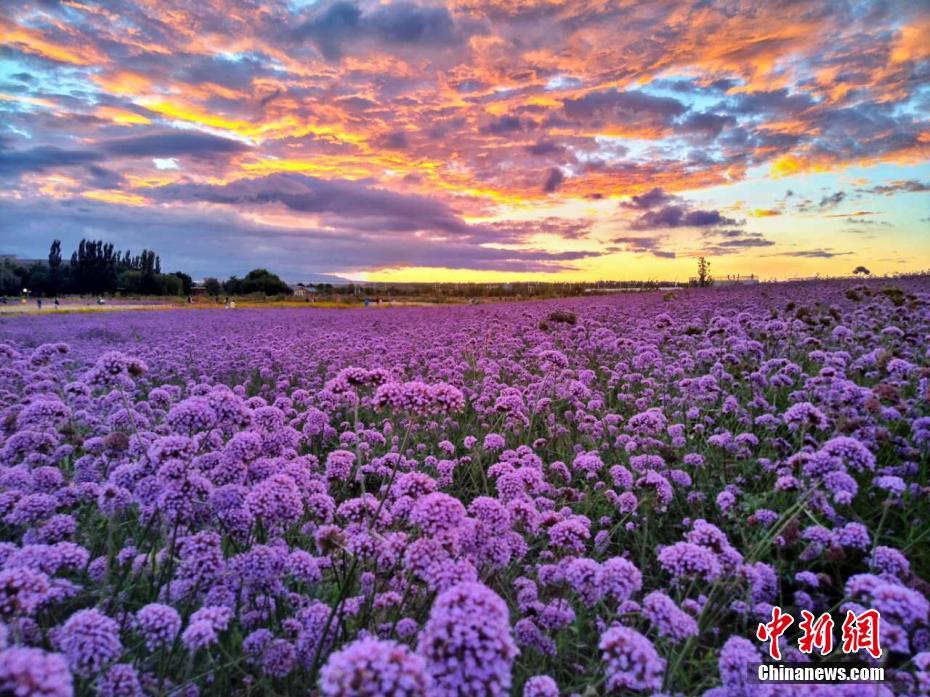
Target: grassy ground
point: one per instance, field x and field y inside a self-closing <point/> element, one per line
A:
<point x="78" y="305"/>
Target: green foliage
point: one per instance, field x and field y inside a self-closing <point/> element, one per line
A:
<point x="95" y="268"/>
<point x="257" y="281"/>
<point x="187" y="282"/>
<point x="138" y="283"/>
<point x="212" y="286"/>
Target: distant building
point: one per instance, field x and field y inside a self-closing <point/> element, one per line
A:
<point x="198" y="289"/>
<point x="301" y="290"/>
<point x="737" y="280"/>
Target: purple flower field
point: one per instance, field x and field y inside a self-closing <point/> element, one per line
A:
<point x="587" y="496"/>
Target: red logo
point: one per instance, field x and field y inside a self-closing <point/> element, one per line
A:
<point x="817" y="633"/>
<point x="771" y="631"/>
<point x="860" y="632"/>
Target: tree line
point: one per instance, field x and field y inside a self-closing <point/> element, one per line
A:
<point x="95" y="268"/>
<point x="255" y="281"/>
<point x="98" y="268"/>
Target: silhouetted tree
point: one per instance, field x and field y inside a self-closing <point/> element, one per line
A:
<point x="212" y="286"/>
<point x="94" y="267"/>
<point x="257" y="281"/>
<point x="54" y="268"/>
<point x="861" y="270"/>
<point x="186" y="282"/>
<point x="704" y="278"/>
<point x="54" y="255"/>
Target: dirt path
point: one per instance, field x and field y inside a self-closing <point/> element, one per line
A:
<point x="49" y="308"/>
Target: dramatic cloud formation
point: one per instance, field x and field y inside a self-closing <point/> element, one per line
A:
<point x="651" y="199"/>
<point x="643" y="245"/>
<point x="678" y="216"/>
<point x="661" y="210"/>
<point x="166" y="144"/>
<point x="911" y="185"/>
<point x="397" y="137"/>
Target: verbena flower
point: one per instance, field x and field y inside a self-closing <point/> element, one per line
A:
<point x="30" y="672"/>
<point x="371" y="667"/>
<point x="90" y="640"/>
<point x="890" y="561"/>
<point x="805" y="415"/>
<point x="121" y="680"/>
<point x="540" y="686"/>
<point x="205" y="627"/>
<point x="276" y="501"/>
<point x="620" y="578"/>
<point x="688" y="560"/>
<point x="22" y="590"/>
<point x="668" y="619"/>
<point x="438" y="512"/>
<point x="278" y="658"/>
<point x="159" y="625"/>
<point x="632" y="661"/>
<point x="467" y="642"/>
<point x="737" y="658"/>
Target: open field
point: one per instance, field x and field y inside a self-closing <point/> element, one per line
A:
<point x="602" y="494"/>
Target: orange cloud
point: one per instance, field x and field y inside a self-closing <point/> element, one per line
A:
<point x="121" y="116"/>
<point x="120" y="197"/>
<point x="36" y="43"/>
<point x="912" y="42"/>
<point x="123" y="82"/>
<point x="854" y="214"/>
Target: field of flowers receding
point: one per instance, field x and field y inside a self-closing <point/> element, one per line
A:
<point x="589" y="496"/>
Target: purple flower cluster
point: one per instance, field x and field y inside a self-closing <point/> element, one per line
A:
<point x="89" y="640"/>
<point x="158" y="624"/>
<point x="419" y="397"/>
<point x="688" y="560"/>
<point x="372" y="668"/>
<point x="632" y="660"/>
<point x="28" y="672"/>
<point x="467" y="642"/>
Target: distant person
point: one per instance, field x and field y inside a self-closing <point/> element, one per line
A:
<point x="190" y="299"/>
<point x="366" y="302"/>
<point x="226" y="302"/>
<point x="39" y="302"/>
<point x="57" y="303"/>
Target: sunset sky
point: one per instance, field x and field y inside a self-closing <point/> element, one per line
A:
<point x="473" y="139"/>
